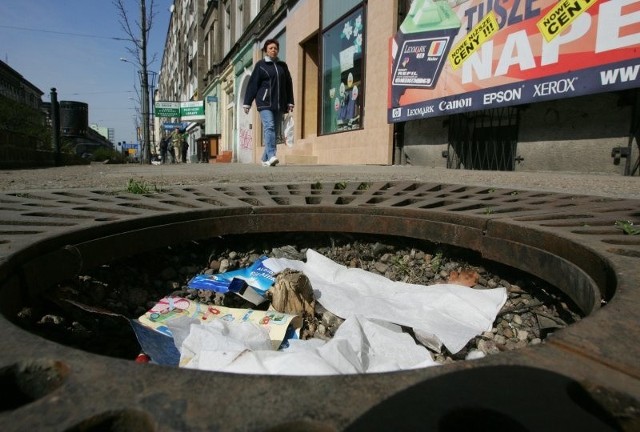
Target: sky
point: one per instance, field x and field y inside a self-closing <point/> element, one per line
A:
<point x="75" y="46"/>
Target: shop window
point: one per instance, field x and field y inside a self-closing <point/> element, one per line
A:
<point x="282" y="40"/>
<point x="343" y="73"/>
<point x="334" y="9"/>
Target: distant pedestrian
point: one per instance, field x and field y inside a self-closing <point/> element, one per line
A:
<point x="164" y="147"/>
<point x="184" y="146"/>
<point x="176" y="139"/>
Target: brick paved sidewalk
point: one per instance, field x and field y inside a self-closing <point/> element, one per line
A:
<point x="98" y="175"/>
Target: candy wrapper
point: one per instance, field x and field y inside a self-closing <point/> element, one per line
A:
<point x="251" y="282"/>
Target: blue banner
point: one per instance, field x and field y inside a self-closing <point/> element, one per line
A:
<point x="172" y="126"/>
<point x="606" y="78"/>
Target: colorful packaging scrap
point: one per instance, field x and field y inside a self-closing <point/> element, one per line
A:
<point x="159" y="345"/>
<point x="258" y="279"/>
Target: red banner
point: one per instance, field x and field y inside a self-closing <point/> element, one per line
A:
<point x="484" y="54"/>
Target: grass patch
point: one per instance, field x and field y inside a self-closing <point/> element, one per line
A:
<point x="627" y="227"/>
<point x="141" y="187"/>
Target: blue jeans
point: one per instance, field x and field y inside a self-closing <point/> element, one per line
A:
<point x="271" y="121"/>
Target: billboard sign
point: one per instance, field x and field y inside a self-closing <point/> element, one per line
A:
<point x="187" y="111"/>
<point x="192" y="111"/>
<point x="467" y="55"/>
<point x="167" y="109"/>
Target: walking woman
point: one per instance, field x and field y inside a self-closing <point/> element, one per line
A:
<point x="271" y="87"/>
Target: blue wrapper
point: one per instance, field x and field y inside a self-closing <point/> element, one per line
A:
<point x="257" y="276"/>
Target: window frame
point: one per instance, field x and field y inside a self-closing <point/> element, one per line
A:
<point x="324" y="105"/>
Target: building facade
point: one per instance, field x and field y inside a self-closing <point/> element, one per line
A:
<point x="233" y="34"/>
<point x="22" y="117"/>
<point x="15" y="87"/>
<point x="338" y="52"/>
<point x="75" y="131"/>
<point x="181" y="78"/>
<point x="339" y="70"/>
<point x="106" y="132"/>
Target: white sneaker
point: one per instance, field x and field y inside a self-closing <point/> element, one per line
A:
<point x="265" y="163"/>
<point x="273" y="161"/>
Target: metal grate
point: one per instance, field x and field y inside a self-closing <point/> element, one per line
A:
<point x="484" y="140"/>
<point x="571" y="241"/>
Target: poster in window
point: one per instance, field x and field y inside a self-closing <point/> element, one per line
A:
<point x="342" y="74"/>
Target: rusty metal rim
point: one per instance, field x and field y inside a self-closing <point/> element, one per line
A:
<point x="104" y="244"/>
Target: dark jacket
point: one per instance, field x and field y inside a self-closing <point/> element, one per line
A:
<point x="270" y="86"/>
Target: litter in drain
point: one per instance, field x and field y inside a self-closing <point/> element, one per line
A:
<point x="130" y="286"/>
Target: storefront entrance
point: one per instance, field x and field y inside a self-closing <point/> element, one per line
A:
<point x="207" y="149"/>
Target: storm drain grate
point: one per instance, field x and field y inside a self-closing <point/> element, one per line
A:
<point x="583" y="245"/>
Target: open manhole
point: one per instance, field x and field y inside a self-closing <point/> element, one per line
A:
<point x="587" y="369"/>
<point x="83" y="312"/>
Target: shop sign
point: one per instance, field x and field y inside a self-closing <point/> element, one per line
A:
<point x="186" y="111"/>
<point x="192" y="110"/>
<point x="167" y="109"/>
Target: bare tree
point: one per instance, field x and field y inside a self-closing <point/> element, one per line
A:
<point x="138" y="34"/>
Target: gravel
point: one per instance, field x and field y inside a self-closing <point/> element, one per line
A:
<point x="131" y="286"/>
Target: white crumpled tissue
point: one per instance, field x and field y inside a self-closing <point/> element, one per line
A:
<point x="369" y="340"/>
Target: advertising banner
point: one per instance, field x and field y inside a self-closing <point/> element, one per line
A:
<point x="467" y="55"/>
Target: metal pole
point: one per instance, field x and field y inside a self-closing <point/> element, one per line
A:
<point x="144" y="83"/>
<point x="145" y="119"/>
<point x="152" y="120"/>
<point x="55" y="127"/>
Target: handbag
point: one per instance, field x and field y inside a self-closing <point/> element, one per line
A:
<point x="289" y="135"/>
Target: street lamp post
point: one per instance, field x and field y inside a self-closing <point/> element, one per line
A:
<point x="144" y="83"/>
<point x="142" y="106"/>
<point x="144" y="74"/>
